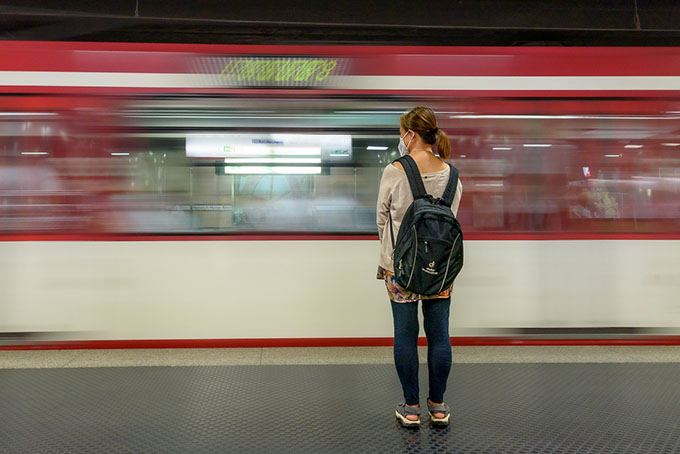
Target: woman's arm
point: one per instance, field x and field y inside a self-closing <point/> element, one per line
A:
<point x="456" y="198"/>
<point x="384" y="200"/>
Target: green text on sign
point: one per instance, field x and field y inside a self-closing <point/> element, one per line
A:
<point x="280" y="69"/>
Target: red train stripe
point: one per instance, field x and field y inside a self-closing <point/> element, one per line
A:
<point x="236" y="237"/>
<point x="312" y="93"/>
<point x="332" y="342"/>
<point x="340" y="237"/>
<point x="388" y="60"/>
<point x="619" y="51"/>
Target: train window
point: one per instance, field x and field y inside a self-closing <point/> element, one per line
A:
<point x="114" y="165"/>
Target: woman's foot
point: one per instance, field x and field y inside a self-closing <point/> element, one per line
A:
<point x="411" y="416"/>
<point x="437" y="414"/>
<point x="408" y="415"/>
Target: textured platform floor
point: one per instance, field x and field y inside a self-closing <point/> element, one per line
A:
<point x="497" y="408"/>
<point x="25" y="359"/>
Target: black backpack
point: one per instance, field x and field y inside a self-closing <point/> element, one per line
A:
<point x="428" y="254"/>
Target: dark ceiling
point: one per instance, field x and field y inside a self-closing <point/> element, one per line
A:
<point x="423" y="22"/>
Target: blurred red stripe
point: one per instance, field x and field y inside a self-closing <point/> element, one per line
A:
<point x="372" y="60"/>
<point x="312" y="93"/>
<point x="331" y="342"/>
<point x="331" y="237"/>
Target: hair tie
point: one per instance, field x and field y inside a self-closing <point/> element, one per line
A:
<point x="434" y="131"/>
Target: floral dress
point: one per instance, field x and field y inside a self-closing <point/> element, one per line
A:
<point x="399" y="294"/>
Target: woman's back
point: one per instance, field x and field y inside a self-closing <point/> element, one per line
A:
<point x="394" y="198"/>
<point x="426" y="161"/>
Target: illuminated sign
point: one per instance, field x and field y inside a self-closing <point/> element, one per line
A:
<point x="276" y="71"/>
<point x="271" y="153"/>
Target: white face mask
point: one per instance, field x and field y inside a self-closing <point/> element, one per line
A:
<point x="403" y="148"/>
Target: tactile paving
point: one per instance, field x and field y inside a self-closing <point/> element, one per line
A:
<point x="496" y="408"/>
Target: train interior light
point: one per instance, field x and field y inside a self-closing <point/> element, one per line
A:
<point x="271" y="170"/>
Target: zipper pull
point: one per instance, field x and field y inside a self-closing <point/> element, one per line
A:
<point x="426" y="247"/>
<point x="400" y="262"/>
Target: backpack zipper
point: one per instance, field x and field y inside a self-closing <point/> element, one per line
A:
<point x="415" y="255"/>
<point x="448" y="262"/>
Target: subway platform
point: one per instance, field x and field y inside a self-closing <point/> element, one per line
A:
<point x="526" y="400"/>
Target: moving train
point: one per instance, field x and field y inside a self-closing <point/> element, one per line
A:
<point x="174" y="194"/>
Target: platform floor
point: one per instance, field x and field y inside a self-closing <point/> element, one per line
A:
<point x="617" y="406"/>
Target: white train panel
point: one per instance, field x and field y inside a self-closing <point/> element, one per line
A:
<point x="322" y="289"/>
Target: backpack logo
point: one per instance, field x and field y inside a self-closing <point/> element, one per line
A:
<point x="430" y="268"/>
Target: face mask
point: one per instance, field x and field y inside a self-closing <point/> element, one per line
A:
<point x="403" y="148"/>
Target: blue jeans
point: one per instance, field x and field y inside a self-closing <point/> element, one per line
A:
<point x="406" y="327"/>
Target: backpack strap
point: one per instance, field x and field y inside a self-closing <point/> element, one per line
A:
<point x="415" y="181"/>
<point x="451" y="187"/>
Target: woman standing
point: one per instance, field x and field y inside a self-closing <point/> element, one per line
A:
<point x="419" y="132"/>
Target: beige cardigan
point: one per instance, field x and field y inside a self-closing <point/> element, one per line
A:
<point x="395" y="197"/>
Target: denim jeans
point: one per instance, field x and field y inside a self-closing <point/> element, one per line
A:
<point x="406" y="327"/>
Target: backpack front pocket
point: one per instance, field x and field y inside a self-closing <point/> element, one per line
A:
<point x="430" y="264"/>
